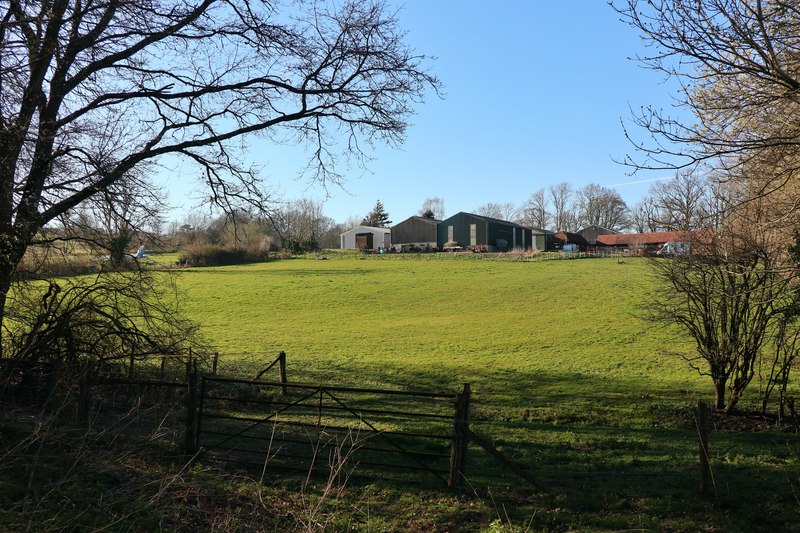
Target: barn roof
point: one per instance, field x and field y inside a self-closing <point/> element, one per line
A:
<point x="372" y="229"/>
<point x="657" y="237"/>
<point x="542" y="231"/>
<point x="433" y="221"/>
<point x="602" y="229"/>
<point x="490" y="219"/>
<point x="569" y="237"/>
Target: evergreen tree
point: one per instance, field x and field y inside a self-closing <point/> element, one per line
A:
<point x="378" y="217"/>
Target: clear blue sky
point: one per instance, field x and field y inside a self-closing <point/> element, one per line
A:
<point x="534" y="95"/>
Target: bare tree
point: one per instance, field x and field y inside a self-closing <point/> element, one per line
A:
<point x="94" y="91"/>
<point x="534" y="212"/>
<point x="682" y="203"/>
<point x="561" y="196"/>
<point x="501" y="211"/>
<point x="732" y="299"/>
<point x="433" y="206"/>
<point x="107" y="316"/>
<point x="330" y="237"/>
<point x="300" y="224"/>
<point x="351" y="222"/>
<point x="643" y="215"/>
<point x="601" y="206"/>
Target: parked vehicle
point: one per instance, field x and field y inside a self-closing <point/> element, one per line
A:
<point x="674" y="248"/>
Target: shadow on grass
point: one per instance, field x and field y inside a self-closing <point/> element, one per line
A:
<point x="610" y="453"/>
<point x="283" y="272"/>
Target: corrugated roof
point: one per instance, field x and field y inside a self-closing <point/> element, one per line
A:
<point x="542" y="231"/>
<point x="490" y="219"/>
<point x="607" y="231"/>
<point x="658" y="237"/>
<point x="569" y="237"/>
<point x="359" y="228"/>
<point x="423" y="219"/>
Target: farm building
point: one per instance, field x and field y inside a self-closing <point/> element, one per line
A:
<point x="418" y="232"/>
<point x="475" y="231"/>
<point x="649" y="242"/>
<point x="591" y="232"/>
<point x="567" y="241"/>
<point x="540" y="237"/>
<point x="366" y="237"/>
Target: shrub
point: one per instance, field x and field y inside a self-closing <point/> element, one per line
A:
<point x="214" y="255"/>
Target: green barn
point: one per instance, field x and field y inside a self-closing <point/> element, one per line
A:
<point x="467" y="230"/>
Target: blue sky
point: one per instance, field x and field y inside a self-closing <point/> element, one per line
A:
<point x="534" y="95"/>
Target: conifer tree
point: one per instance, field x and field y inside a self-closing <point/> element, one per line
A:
<point x="378" y="217"/>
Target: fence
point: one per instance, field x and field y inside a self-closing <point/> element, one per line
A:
<point x="263" y="426"/>
<point x="322" y="429"/>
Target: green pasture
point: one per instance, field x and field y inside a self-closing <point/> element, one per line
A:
<point x="526" y="335"/>
<point x="567" y="378"/>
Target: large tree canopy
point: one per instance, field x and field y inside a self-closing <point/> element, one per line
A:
<point x="95" y="91"/>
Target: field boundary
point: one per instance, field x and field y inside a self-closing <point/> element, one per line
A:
<point x="287" y="426"/>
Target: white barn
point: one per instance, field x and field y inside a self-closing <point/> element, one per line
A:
<point x="366" y="237"/>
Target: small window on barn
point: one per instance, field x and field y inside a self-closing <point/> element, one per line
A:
<point x="473" y="234"/>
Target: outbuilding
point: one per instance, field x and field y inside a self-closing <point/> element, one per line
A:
<point x="540" y="237"/>
<point x="415" y="232"/>
<point x="593" y="231"/>
<point x="650" y="242"/>
<point x="366" y="238"/>
<point x="567" y="241"/>
<point x="467" y="230"/>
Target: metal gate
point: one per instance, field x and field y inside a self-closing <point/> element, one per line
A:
<point x="266" y="426"/>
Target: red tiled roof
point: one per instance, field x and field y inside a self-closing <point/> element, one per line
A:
<point x="659" y="237"/>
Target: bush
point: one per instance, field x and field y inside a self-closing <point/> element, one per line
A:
<point x="51" y="261"/>
<point x="214" y="255"/>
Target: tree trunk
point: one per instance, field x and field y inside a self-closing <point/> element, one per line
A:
<point x="720" y="386"/>
<point x="6" y="273"/>
<point x="10" y="256"/>
<point x="733" y="400"/>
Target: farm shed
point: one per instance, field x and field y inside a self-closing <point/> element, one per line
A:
<point x="472" y="231"/>
<point x="565" y="240"/>
<point x="591" y="232"/>
<point x="649" y="242"/>
<point x="366" y="237"/>
<point x="415" y="231"/>
<point x="539" y="238"/>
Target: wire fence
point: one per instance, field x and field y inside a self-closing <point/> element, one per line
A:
<point x="280" y="426"/>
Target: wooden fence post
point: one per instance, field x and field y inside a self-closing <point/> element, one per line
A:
<point x="702" y="434"/>
<point x="53" y="378"/>
<point x="214" y="364"/>
<point x="84" y="392"/>
<point x="458" y="452"/>
<point x="163" y="364"/>
<point x="191" y="407"/>
<point x="199" y="425"/>
<point x="282" y="370"/>
<point x="130" y="368"/>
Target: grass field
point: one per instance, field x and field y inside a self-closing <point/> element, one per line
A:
<point x="524" y="333"/>
<point x="566" y="379"/>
